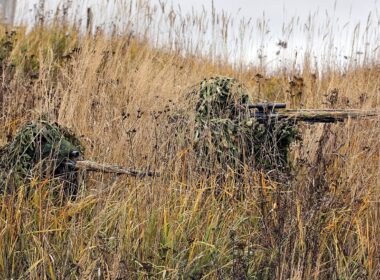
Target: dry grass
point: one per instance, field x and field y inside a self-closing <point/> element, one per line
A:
<point x="117" y="93"/>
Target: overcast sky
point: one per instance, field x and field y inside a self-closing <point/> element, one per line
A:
<point x="344" y="14"/>
<point x="281" y="10"/>
<point x="277" y="10"/>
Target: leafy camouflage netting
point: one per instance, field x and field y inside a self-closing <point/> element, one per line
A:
<point x="226" y="136"/>
<point x="39" y="150"/>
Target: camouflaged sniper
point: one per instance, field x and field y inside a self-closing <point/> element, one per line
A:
<point x="39" y="150"/>
<point x="226" y="134"/>
<point x="234" y="133"/>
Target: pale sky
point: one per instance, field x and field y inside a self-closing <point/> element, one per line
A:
<point x="281" y="10"/>
<point x="339" y="17"/>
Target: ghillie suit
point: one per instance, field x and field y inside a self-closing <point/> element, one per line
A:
<point x="40" y="151"/>
<point x="228" y="139"/>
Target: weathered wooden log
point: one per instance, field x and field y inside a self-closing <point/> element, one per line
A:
<point x="106" y="168"/>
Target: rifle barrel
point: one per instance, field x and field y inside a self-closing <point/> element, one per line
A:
<point x="325" y="115"/>
<point x="267" y="106"/>
<point x="106" y="168"/>
<point x="315" y="116"/>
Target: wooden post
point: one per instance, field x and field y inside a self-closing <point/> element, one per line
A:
<point x="8" y="9"/>
<point x="90" y="20"/>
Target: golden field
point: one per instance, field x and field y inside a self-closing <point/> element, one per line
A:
<point x="116" y="92"/>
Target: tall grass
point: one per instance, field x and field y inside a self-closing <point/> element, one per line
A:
<point x="117" y="93"/>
